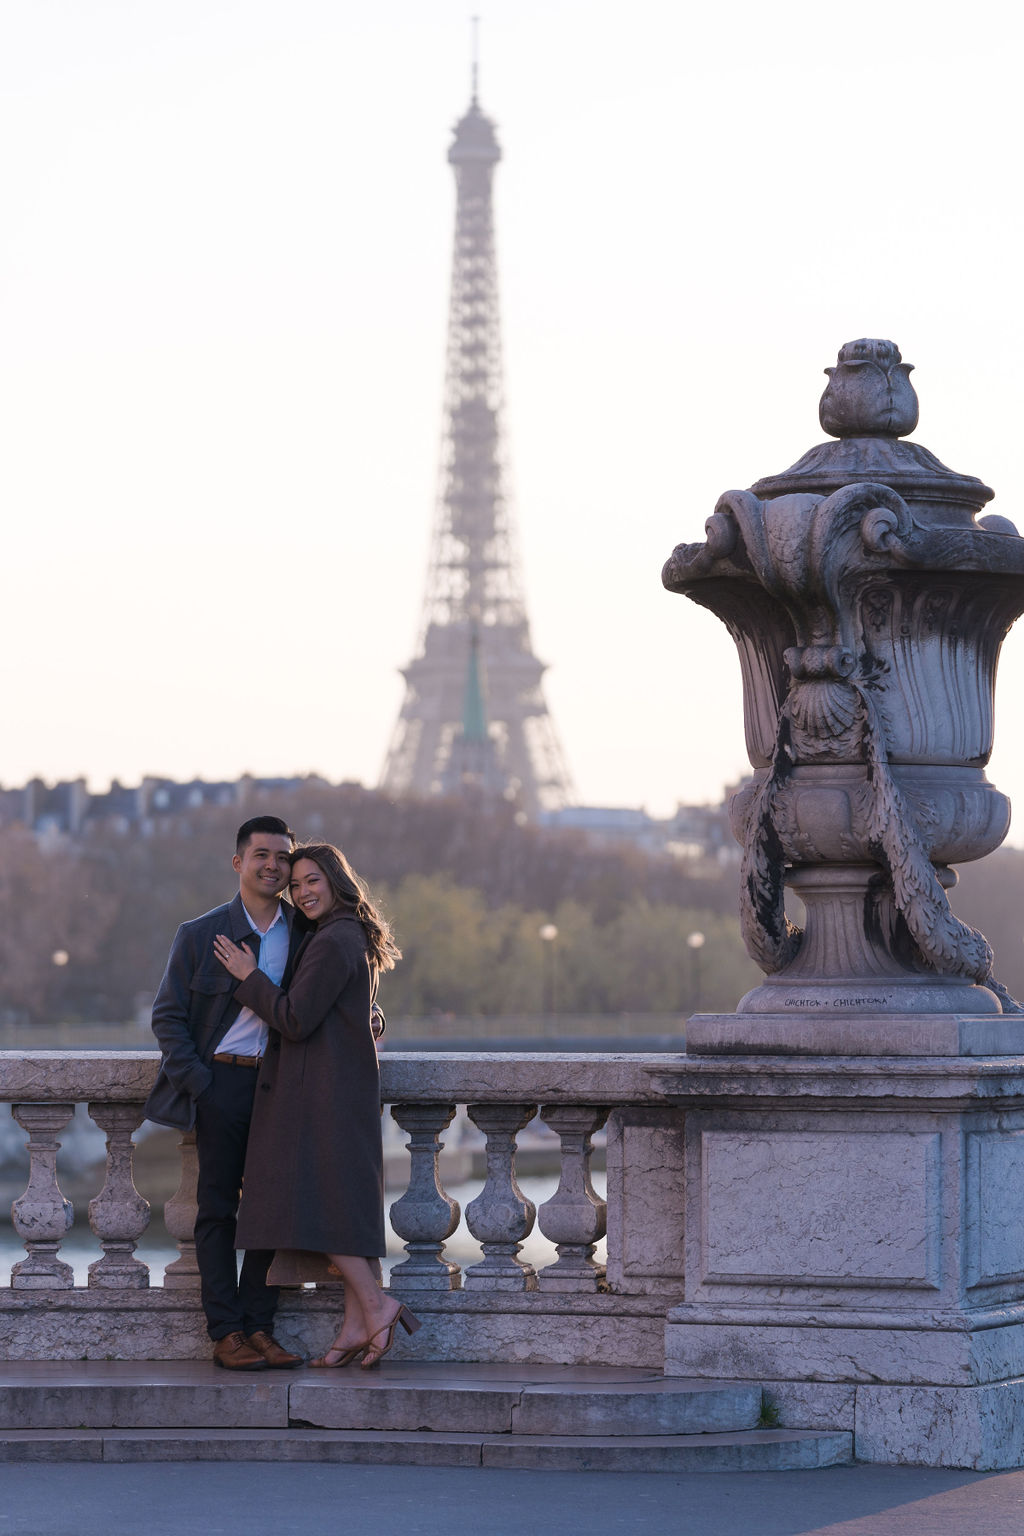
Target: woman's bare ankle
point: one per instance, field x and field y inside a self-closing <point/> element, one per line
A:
<point x="384" y="1313"/>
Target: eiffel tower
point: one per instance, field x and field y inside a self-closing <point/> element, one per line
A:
<point x="474" y="712"/>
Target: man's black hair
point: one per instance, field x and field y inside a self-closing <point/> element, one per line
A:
<point x="262" y="824"/>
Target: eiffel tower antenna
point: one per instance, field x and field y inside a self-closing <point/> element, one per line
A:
<point x="474" y="611"/>
<point x="476" y="59"/>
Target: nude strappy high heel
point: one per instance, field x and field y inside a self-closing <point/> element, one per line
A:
<point x="346" y="1356"/>
<point x="410" y="1323"/>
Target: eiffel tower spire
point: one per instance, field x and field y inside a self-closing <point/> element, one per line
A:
<point x="474" y="612"/>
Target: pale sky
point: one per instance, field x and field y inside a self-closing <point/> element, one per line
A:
<point x="225" y="232"/>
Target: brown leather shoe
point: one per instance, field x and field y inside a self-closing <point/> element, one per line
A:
<point x="234" y="1354"/>
<point x="271" y="1352"/>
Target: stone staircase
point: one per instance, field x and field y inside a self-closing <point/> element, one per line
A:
<point x="556" y="1418"/>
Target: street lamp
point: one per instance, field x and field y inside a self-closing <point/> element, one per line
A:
<point x="695" y="941"/>
<point x="548" y="935"/>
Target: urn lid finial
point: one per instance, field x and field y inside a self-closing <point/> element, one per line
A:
<point x="870" y="405"/>
<point x="869" y="393"/>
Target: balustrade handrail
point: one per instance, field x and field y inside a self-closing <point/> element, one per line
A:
<point x="606" y="1077"/>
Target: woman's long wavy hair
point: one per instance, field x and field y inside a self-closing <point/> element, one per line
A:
<point x="350" y="893"/>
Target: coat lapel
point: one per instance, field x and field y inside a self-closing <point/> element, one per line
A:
<point x="238" y="924"/>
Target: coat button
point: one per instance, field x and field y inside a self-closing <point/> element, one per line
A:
<point x="265" y="1087"/>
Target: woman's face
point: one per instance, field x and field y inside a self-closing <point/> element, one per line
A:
<point x="309" y="889"/>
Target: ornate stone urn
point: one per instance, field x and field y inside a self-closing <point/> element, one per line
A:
<point x="868" y="600"/>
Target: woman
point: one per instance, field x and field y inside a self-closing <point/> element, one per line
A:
<point x="314" y="1166"/>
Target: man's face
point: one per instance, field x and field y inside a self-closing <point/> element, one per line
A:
<point x="262" y="866"/>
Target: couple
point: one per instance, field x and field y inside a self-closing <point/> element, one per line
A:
<point x="265" y="1022"/>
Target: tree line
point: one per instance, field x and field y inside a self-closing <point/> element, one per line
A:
<point x="86" y="922"/>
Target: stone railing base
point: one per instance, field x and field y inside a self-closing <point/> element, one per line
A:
<point x="459" y="1326"/>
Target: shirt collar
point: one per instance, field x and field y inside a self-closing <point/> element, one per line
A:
<point x="280" y="918"/>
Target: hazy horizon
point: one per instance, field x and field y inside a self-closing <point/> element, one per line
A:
<point x="223" y="294"/>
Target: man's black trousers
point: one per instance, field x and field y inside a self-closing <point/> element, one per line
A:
<point x="231" y="1301"/>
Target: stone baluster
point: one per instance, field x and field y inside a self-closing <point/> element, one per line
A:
<point x="425" y="1216"/>
<point x="574" y="1218"/>
<point x="501" y="1216"/>
<point x="180" y="1219"/>
<point x="42" y="1215"/>
<point x="118" y="1215"/>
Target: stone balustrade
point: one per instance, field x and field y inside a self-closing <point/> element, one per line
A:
<point x="500" y="1307"/>
<point x="852" y="1241"/>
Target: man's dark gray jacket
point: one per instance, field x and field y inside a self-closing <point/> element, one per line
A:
<point x="195" y="1006"/>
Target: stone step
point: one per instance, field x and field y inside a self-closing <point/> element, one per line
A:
<point x="464" y="1399"/>
<point x="417" y="1413"/>
<point x="767" y="1450"/>
<point x="402" y="1400"/>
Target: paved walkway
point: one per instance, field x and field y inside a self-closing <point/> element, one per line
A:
<point x="309" y="1500"/>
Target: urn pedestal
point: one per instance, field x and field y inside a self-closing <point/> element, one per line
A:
<point x="854" y="1133"/>
<point x="854" y="1245"/>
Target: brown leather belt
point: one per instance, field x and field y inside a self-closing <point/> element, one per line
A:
<point x="237" y="1061"/>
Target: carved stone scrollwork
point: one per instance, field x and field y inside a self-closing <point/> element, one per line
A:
<point x="868" y="606"/>
<point x="42" y="1216"/>
<point x="118" y="1215"/>
<point x="425" y="1217"/>
<point x="574" y="1219"/>
<point x="501" y="1216"/>
<point x="180" y="1219"/>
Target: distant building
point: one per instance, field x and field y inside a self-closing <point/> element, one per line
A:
<point x="608" y="824"/>
<point x="693" y="831"/>
<point x="68" y="809"/>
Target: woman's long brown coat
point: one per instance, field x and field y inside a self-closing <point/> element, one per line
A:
<point x="314" y="1166"/>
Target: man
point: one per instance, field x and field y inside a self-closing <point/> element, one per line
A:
<point x="211" y="1050"/>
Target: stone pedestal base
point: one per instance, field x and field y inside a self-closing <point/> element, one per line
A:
<point x="837" y="1029"/>
<point x="977" y="1427"/>
<point x="857" y="1348"/>
<point x="855" y="1243"/>
<point x="980" y="1428"/>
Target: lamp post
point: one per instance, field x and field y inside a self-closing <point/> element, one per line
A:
<point x="548" y="935"/>
<point x="695" y="942"/>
